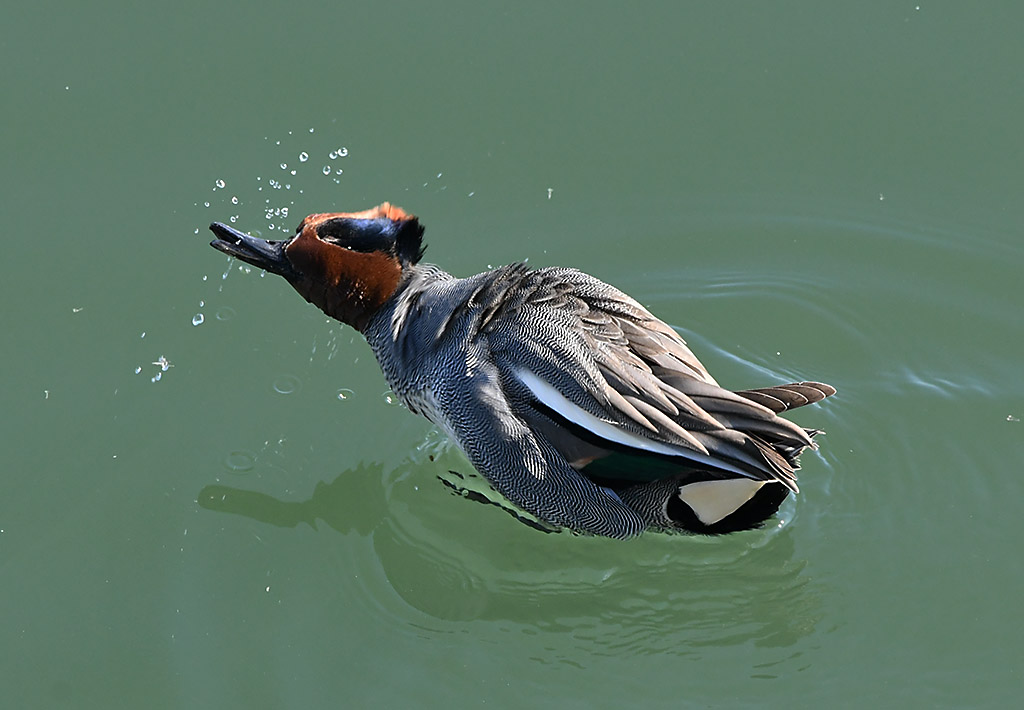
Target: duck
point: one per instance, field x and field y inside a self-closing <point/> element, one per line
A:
<point x="575" y="403"/>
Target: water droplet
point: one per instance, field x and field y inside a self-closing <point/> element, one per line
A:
<point x="344" y="393"/>
<point x="225" y="313"/>
<point x="206" y="204"/>
<point x="156" y="377"/>
<point x="219" y="184"/>
<point x="303" y="157"/>
<point x="390" y="397"/>
<point x="289" y="186"/>
<point x="287" y="384"/>
<point x="202" y="303"/>
<point x="339" y="171"/>
<point x="333" y="154"/>
<point x="143" y="334"/>
<point x="197" y="231"/>
<point x="240" y="461"/>
<point x="327" y="171"/>
<point x="310" y="130"/>
<point x="284" y="166"/>
<point x="234" y="200"/>
<point x="342" y="152"/>
<point x="198" y="319"/>
<point x="138" y="370"/>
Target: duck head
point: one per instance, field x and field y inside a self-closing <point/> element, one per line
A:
<point x="348" y="264"/>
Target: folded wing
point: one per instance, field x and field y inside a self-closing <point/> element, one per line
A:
<point x="603" y="375"/>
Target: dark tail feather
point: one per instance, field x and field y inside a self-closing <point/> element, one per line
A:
<point x="784" y="397"/>
<point x="792" y="453"/>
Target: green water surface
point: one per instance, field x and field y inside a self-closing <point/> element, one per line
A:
<point x="211" y="500"/>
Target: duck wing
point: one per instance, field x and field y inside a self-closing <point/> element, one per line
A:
<point x="594" y="362"/>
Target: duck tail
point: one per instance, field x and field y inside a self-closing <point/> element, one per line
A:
<point x="785" y="397"/>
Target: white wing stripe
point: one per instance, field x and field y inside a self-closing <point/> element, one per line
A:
<point x="555" y="400"/>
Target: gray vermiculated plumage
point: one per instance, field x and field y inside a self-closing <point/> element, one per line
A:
<point x="455" y="350"/>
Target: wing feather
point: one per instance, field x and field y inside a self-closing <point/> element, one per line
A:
<point x="598" y="360"/>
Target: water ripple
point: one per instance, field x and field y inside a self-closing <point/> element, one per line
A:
<point x="447" y="562"/>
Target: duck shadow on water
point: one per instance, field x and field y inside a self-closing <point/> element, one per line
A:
<point x="457" y="562"/>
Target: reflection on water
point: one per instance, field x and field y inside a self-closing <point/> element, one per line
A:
<point x="354" y="502"/>
<point x="458" y="562"/>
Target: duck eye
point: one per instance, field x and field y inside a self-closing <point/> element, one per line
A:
<point x="360" y="235"/>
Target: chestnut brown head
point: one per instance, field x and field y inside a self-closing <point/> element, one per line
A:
<point x="346" y="263"/>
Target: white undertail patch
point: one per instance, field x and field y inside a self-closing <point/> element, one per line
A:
<point x="711" y="501"/>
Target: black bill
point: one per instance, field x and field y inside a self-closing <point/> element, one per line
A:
<point x="260" y="253"/>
